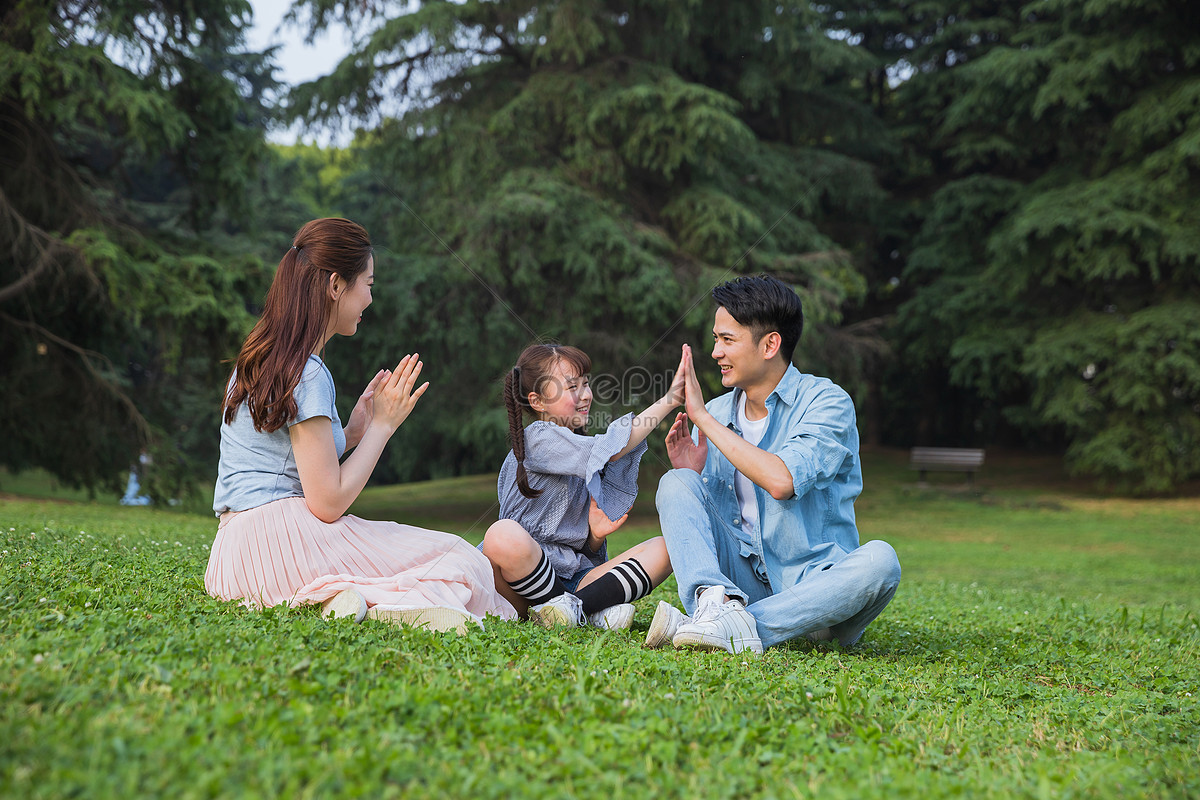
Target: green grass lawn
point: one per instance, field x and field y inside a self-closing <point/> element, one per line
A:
<point x="1043" y="643"/>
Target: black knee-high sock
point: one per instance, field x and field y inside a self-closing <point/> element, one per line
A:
<point x="624" y="583"/>
<point x="540" y="585"/>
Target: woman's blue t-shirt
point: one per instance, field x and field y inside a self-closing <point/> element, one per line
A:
<point x="257" y="467"/>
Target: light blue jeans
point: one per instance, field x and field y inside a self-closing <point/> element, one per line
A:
<point x="842" y="592"/>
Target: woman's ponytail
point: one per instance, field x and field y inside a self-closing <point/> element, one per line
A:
<point x="294" y="318"/>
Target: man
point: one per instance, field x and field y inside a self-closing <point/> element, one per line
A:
<point x="758" y="512"/>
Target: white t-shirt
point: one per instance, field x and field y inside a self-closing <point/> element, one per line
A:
<point x="752" y="432"/>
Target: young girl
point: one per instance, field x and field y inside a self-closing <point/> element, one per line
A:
<point x="281" y="493"/>
<point x="562" y="493"/>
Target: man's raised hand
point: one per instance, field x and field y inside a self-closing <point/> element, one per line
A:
<point x="683" y="452"/>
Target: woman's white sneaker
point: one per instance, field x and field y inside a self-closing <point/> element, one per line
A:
<point x="433" y="618"/>
<point x="346" y="603"/>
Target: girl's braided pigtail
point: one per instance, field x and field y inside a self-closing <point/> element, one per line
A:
<point x="516" y="431"/>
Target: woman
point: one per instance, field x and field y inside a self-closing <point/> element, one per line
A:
<point x="281" y="493"/>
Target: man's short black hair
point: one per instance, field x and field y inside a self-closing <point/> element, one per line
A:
<point x="764" y="304"/>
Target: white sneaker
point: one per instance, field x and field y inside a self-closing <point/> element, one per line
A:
<point x="433" y="618"/>
<point x="613" y="618"/>
<point x="719" y="624"/>
<point x="346" y="603"/>
<point x="820" y="635"/>
<point x="566" y="609"/>
<point x="667" y="619"/>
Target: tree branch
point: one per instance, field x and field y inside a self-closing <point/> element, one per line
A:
<point x="86" y="357"/>
<point x="23" y="234"/>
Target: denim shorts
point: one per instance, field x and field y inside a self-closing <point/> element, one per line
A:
<point x="572" y="583"/>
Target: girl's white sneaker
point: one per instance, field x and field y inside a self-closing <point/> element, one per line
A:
<point x="566" y="610"/>
<point x="613" y="618"/>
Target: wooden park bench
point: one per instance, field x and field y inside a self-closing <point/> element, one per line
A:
<point x="946" y="459"/>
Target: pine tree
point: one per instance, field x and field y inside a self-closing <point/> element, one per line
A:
<point x="128" y="128"/>
<point x="586" y="171"/>
<point x="1054" y="276"/>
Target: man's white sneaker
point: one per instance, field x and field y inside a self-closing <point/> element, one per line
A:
<point x="566" y="609"/>
<point x="667" y="619"/>
<point x="719" y="624"/>
<point x="346" y="603"/>
<point x="613" y="618"/>
<point x="820" y="635"/>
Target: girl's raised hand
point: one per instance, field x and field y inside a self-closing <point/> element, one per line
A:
<point x="694" y="399"/>
<point x="676" y="393"/>
<point x="395" y="398"/>
<point x="598" y="522"/>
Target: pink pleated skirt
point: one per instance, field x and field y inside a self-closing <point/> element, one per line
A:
<point x="281" y="553"/>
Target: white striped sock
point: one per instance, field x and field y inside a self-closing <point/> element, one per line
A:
<point x="634" y="579"/>
<point x="540" y="585"/>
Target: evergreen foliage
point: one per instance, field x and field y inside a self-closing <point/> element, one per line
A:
<point x="126" y="126"/>
<point x="989" y="208"/>
<point x="586" y="171"/>
<point x="1054" y="276"/>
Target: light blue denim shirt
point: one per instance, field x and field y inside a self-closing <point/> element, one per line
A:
<point x="812" y="428"/>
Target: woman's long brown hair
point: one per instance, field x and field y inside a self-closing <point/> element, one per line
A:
<point x="294" y="319"/>
<point x="534" y="368"/>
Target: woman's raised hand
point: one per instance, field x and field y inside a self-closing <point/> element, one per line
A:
<point x="364" y="409"/>
<point x="395" y="397"/>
